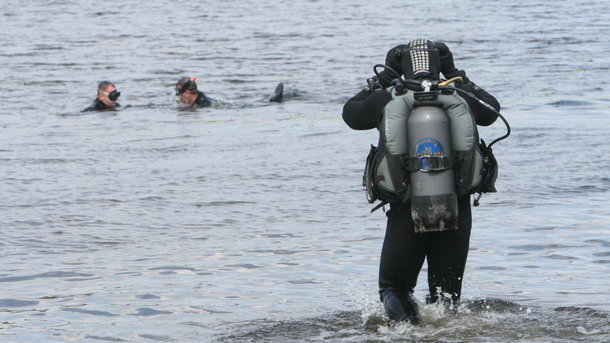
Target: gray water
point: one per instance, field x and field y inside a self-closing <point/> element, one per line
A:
<point x="246" y="222"/>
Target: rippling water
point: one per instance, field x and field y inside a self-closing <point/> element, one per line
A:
<point x="245" y="222"/>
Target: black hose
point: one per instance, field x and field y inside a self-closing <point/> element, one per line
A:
<point x="397" y="74"/>
<point x="489" y="107"/>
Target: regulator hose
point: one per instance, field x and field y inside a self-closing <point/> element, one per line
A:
<point x="508" y="130"/>
<point x="396" y="74"/>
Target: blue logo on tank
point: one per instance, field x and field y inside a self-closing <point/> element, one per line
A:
<point x="428" y="147"/>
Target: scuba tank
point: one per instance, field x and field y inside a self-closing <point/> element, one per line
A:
<point x="433" y="193"/>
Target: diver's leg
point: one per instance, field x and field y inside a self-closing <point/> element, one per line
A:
<point x="402" y="256"/>
<point x="447" y="257"/>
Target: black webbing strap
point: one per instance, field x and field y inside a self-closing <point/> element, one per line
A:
<point x="428" y="163"/>
<point x="380" y="205"/>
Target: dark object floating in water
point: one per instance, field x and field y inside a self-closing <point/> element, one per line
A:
<point x="279" y="93"/>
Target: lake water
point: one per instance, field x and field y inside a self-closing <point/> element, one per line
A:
<point x="246" y="221"/>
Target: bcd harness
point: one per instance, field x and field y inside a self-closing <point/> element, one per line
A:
<point x="386" y="175"/>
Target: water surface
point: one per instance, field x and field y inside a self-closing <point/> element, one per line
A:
<point x="246" y="222"/>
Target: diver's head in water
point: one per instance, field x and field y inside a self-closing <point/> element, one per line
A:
<point x="186" y="89"/>
<point x="419" y="59"/>
<point x="108" y="94"/>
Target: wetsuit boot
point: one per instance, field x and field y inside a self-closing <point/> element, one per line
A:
<point x="400" y="306"/>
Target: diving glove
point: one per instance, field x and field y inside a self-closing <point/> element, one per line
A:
<point x="393" y="59"/>
<point x="447" y="66"/>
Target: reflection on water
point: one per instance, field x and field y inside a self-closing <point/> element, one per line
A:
<point x="245" y="222"/>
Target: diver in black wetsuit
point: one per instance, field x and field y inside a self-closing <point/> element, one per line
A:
<point x="403" y="250"/>
<point x="107" y="96"/>
<point x="186" y="89"/>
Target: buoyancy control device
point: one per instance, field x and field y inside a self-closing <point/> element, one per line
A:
<point x="430" y="151"/>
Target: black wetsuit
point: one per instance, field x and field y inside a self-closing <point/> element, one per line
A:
<point x="404" y="250"/>
<point x="202" y="100"/>
<point x="100" y="106"/>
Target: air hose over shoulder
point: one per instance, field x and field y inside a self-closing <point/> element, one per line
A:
<point x="445" y="85"/>
<point x="508" y="130"/>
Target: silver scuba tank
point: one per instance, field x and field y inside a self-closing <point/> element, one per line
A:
<point x="433" y="200"/>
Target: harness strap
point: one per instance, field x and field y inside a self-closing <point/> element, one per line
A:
<point x="427" y="163"/>
<point x="381" y="204"/>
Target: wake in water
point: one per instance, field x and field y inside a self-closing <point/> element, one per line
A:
<point x="482" y="320"/>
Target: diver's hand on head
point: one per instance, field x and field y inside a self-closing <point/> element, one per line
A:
<point x="446" y="57"/>
<point x="393" y="59"/>
<point x="447" y="66"/>
<point x="384" y="79"/>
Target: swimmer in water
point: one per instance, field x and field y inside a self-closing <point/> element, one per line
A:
<point x="107" y="96"/>
<point x="187" y="92"/>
